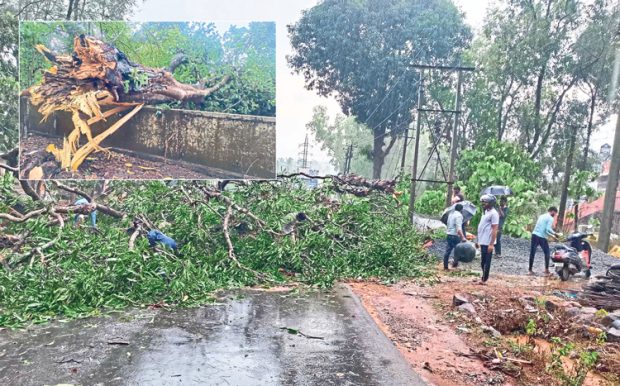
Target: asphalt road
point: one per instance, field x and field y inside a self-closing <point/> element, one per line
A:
<point x="250" y="338"/>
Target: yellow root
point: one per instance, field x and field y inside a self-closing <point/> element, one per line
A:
<point x="71" y="155"/>
<point x="84" y="151"/>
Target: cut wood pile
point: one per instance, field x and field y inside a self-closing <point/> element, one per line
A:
<point x="604" y="292"/>
<point x="96" y="82"/>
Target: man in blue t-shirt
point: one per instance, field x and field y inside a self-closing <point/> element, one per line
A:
<point x="542" y="230"/>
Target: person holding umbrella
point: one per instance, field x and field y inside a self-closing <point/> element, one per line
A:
<point x="454" y="235"/>
<point x="502" y="210"/>
<point x="487" y="233"/>
<point x="457" y="196"/>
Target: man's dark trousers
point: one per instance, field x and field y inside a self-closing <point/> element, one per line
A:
<point x="453" y="241"/>
<point x="485" y="261"/>
<point x="544" y="244"/>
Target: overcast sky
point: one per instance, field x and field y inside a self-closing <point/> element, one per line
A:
<point x="294" y="102"/>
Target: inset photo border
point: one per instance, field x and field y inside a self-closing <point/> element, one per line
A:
<point x="149" y="100"/>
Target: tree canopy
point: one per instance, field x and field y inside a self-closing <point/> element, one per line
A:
<point x="8" y="80"/>
<point x="196" y="53"/>
<point x="362" y="51"/>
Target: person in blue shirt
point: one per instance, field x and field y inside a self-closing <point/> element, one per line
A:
<point x="542" y="230"/>
<point x="156" y="237"/>
<point x="93" y="214"/>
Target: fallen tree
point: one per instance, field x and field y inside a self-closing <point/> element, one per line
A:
<point x="229" y="238"/>
<point x="96" y="82"/>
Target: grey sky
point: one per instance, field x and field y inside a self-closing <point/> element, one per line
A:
<point x="294" y="102"/>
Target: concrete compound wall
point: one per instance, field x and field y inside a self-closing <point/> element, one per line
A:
<point x="244" y="145"/>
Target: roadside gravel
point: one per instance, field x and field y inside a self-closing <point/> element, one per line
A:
<point x="515" y="258"/>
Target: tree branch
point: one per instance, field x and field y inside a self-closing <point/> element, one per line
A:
<point x="73" y="190"/>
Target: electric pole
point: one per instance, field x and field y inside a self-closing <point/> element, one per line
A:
<point x="402" y="161"/>
<point x="347" y="160"/>
<point x="303" y="162"/>
<point x="414" y="169"/>
<point x="457" y="116"/>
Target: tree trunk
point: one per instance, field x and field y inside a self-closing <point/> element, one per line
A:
<point x="537" y="107"/>
<point x="70" y="9"/>
<point x="586" y="149"/>
<point x="82" y="11"/>
<point x="378" y="155"/>
<point x="609" y="203"/>
<point x="576" y="223"/>
<point x="499" y="120"/>
<point x="76" y="7"/>
<point x="566" y="181"/>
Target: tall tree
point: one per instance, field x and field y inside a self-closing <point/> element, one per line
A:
<point x="361" y="52"/>
<point x="8" y="79"/>
<point x="533" y="55"/>
<point x="594" y="51"/>
<point x="335" y="138"/>
<point x="76" y="9"/>
<point x="573" y="121"/>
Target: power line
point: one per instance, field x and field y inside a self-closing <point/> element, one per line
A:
<point x="390" y="89"/>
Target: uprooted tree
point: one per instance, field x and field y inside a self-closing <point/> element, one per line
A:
<point x="232" y="237"/>
<point x="96" y="82"/>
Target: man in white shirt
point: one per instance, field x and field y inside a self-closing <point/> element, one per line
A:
<point x="487" y="233"/>
<point x="454" y="235"/>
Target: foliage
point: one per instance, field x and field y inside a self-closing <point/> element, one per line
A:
<point x="337" y="136"/>
<point x="432" y="202"/>
<point x="361" y="51"/>
<point x="81" y="9"/>
<point x="538" y="58"/>
<point x="504" y="163"/>
<point x="575" y="375"/>
<point x="531" y="328"/>
<point x="8" y="80"/>
<point x="86" y="271"/>
<point x="246" y="53"/>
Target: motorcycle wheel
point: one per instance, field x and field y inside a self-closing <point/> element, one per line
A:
<point x="565" y="273"/>
<point x="614" y="272"/>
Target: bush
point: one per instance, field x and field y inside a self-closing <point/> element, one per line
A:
<point x="432" y="202"/>
<point x="504" y="163"/>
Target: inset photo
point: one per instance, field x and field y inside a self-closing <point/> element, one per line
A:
<point x="126" y="100"/>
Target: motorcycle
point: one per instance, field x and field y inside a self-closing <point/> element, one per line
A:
<point x="570" y="260"/>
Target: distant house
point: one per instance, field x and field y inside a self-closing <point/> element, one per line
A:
<point x="594" y="209"/>
<point x="310" y="182"/>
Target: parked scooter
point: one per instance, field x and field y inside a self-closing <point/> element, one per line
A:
<point x="570" y="260"/>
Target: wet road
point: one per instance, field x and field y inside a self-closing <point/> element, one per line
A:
<point x="243" y="340"/>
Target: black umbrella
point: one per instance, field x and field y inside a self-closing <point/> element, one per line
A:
<point x="497" y="190"/>
<point x="469" y="210"/>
